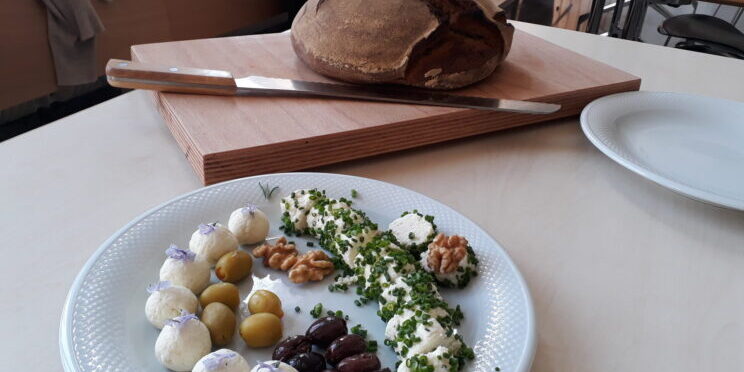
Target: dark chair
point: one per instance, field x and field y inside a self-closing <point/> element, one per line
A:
<point x="705" y="33"/>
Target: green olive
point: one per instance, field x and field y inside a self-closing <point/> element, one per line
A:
<point x="264" y="301"/>
<point x="261" y="330"/>
<point x="225" y="293"/>
<point x="234" y="266"/>
<point x="220" y="321"/>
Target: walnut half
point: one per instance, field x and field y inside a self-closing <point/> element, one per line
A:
<point x="311" y="266"/>
<point x="445" y="253"/>
<point x="281" y="256"/>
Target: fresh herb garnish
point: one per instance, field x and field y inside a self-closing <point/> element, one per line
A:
<point x="267" y="190"/>
<point x="317" y="310"/>
<point x="354" y="193"/>
<point x="359" y="330"/>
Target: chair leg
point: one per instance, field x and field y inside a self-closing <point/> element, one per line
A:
<point x="666" y="43"/>
<point x="737" y="16"/>
<point x="716" y="11"/>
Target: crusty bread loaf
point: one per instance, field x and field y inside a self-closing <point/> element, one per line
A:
<point x="440" y="44"/>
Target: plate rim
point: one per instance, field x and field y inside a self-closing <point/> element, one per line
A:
<point x="689" y="191"/>
<point x="65" y="342"/>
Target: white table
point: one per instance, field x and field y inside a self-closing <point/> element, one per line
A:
<point x="625" y="275"/>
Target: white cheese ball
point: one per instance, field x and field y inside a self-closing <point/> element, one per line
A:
<point x="223" y="360"/>
<point x="412" y="230"/>
<point x="272" y="366"/>
<point x="249" y="225"/>
<point x="193" y="275"/>
<point x="455" y="278"/>
<point x="435" y="359"/>
<point x="430" y="335"/>
<point x="298" y="205"/>
<point x="167" y="303"/>
<point x="180" y="346"/>
<point x="210" y="242"/>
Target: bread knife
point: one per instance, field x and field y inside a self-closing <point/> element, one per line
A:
<point x="135" y="75"/>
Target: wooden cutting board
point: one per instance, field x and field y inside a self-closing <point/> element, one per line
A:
<point x="230" y="137"/>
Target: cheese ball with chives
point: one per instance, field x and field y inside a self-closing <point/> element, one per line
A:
<point x="182" y="268"/>
<point x="166" y="302"/>
<point x="249" y="224"/>
<point x="210" y="242"/>
<point x="182" y="342"/>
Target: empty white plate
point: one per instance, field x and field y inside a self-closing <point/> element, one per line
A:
<point x="691" y="144"/>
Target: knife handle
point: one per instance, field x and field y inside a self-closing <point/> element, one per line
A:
<point x="135" y="75"/>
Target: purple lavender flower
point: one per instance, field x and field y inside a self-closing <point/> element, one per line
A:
<point x="179" y="254"/>
<point x="249" y="208"/>
<point x="181" y="320"/>
<point x="159" y="286"/>
<point x="271" y="367"/>
<point x="217" y="360"/>
<point x="207" y="229"/>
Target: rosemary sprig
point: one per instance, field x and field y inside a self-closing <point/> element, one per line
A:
<point x="267" y="191"/>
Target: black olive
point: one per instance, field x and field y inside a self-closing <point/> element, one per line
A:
<point x="307" y="362"/>
<point x="365" y="362"/>
<point x="291" y="347"/>
<point x="324" y="330"/>
<point x="345" y="346"/>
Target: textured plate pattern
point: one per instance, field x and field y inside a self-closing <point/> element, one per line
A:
<point x="691" y="144"/>
<point x="104" y="329"/>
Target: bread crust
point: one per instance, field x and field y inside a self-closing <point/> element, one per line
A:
<point x="440" y="44"/>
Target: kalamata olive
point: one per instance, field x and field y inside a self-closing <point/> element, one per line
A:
<point x="291" y="347"/>
<point x="332" y="370"/>
<point x="364" y="362"/>
<point x="345" y="346"/>
<point x="307" y="362"/>
<point x="324" y="330"/>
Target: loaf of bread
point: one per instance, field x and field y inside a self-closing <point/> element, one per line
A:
<point x="441" y="44"/>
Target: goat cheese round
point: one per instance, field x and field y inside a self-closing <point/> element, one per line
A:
<point x="349" y="248"/>
<point x="182" y="268"/>
<point x="429" y="336"/>
<point x="460" y="277"/>
<point x="273" y="366"/>
<point x="182" y="342"/>
<point x="166" y="301"/>
<point x="250" y="225"/>
<point x="210" y="242"/>
<point x="397" y="291"/>
<point x="296" y="206"/>
<point x="223" y="360"/>
<point x="436" y="359"/>
<point x="412" y="230"/>
<point x="394" y="271"/>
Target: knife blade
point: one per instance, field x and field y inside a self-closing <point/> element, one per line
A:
<point x="135" y="75"/>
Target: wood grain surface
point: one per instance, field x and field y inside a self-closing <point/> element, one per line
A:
<point x="230" y="137"/>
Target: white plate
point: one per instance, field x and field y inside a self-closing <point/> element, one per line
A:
<point x="691" y="144"/>
<point x="103" y="326"/>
